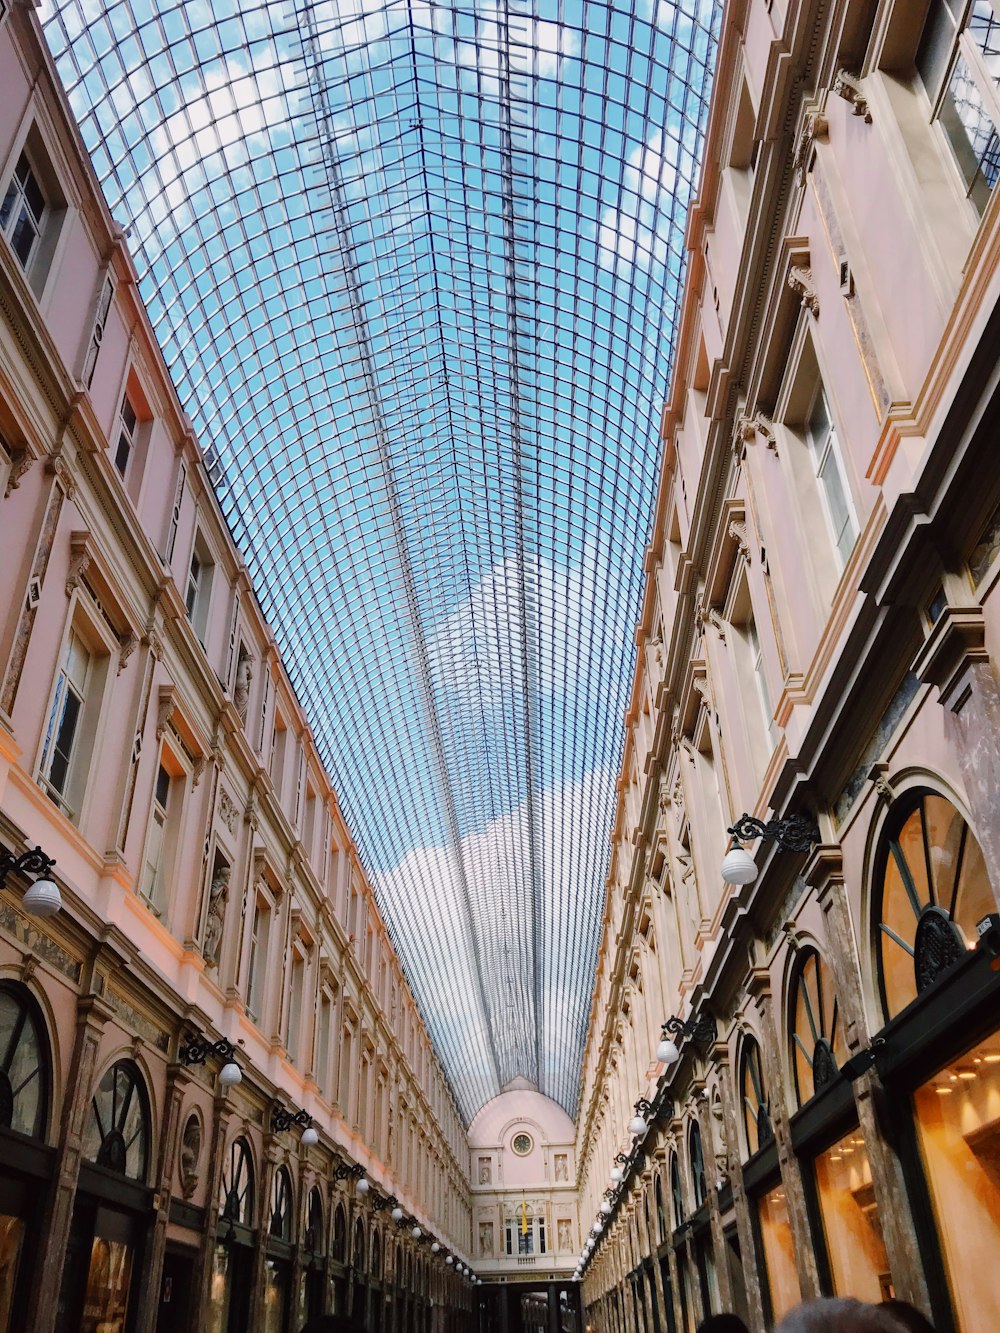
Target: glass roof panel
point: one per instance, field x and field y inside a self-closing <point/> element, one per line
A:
<point x="415" y="266"/>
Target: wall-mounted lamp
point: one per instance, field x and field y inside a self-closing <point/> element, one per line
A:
<point x="796" y="833"/>
<point x="196" y="1051"/>
<point x="640" y="1121"/>
<point x="42" y="898"/>
<point x="700" y="1029"/>
<point x="283" y="1120"/>
<point x="355" y="1172"/>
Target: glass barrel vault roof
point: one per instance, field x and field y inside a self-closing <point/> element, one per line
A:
<point x="415" y="269"/>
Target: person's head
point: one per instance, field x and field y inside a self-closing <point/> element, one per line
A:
<point x="334" y="1323"/>
<point x="838" y="1316"/>
<point x="723" y="1323"/>
<point x="909" y="1318"/>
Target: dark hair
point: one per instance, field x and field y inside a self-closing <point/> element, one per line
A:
<point x="909" y="1318"/>
<point x="723" y="1323"/>
<point x="836" y="1316"/>
<point x="334" y="1323"/>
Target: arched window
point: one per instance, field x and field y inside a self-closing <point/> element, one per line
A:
<point x="359" y="1246"/>
<point x="25" y="1064"/>
<point x="376" y="1256"/>
<point x="754" y="1098"/>
<point x="661" y="1220"/>
<point x="236" y="1202"/>
<point x="931" y="888"/>
<point x="281" y="1205"/>
<point x="118" y="1123"/>
<point x="315" y="1239"/>
<point x="696" y="1159"/>
<point x="816" y="1030"/>
<point x="340" y="1235"/>
<point x="676" y="1193"/>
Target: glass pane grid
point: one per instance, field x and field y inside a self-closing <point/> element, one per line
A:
<point x="415" y="270"/>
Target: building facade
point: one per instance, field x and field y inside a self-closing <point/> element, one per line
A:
<point x="214" y="907"/>
<point x="818" y="645"/>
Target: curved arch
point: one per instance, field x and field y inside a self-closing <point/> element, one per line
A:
<point x="280" y="1223"/>
<point x="119" y="1124"/>
<point x="315" y="1232"/>
<point x="340" y="1234"/>
<point x="928" y="888"/>
<point x="25" y="1062"/>
<point x="816" y="1043"/>
<point x="696" y="1164"/>
<point x="755" y="1102"/>
<point x="238" y="1186"/>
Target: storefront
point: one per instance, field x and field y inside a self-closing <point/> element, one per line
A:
<point x="232" y="1268"/>
<point x="26" y="1161"/>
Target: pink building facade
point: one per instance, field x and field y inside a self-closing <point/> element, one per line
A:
<point x="212" y="894"/>
<point x="818" y="644"/>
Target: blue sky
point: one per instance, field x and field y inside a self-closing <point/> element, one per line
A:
<point x="415" y="270"/>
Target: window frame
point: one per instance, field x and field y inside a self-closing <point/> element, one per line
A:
<point x="39" y="149"/>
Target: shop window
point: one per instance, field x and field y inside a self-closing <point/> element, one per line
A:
<point x="237" y="1193"/>
<point x="25" y="1068"/>
<point x="817" y="1037"/>
<point x="117" y="1132"/>
<point x="851" y="1226"/>
<point x="376" y="1252"/>
<point x="280" y="1226"/>
<point x="340" y="1235"/>
<point x="676" y="1193"/>
<point x="359" y="1247"/>
<point x="779" y="1253"/>
<point x="931" y="888"/>
<point x="696" y="1160"/>
<point x="315" y="1240"/>
<point x="957" y="64"/>
<point x="753" y="1095"/>
<point x="958" y="1127"/>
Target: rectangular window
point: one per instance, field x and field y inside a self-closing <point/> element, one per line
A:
<point x="258" y="958"/>
<point x="959" y="65"/>
<point x="193" y="586"/>
<point x="175" y="513"/>
<point x="153" y="887"/>
<point x="829" y="469"/>
<point x="128" y="421"/>
<point x="851" y="1225"/>
<point x="97" y="333"/>
<point x="198" y="589"/>
<point x="321" y="1061"/>
<point x="22" y="214"/>
<point x="63" y="731"/>
<point x="295" y="989"/>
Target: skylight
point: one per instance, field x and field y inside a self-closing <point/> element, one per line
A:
<point x="415" y="269"/>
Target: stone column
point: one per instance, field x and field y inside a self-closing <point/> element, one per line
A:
<point x="956" y="660"/>
<point x="177" y="1080"/>
<point x="825" y="873"/>
<point x="741" y="1207"/>
<point x="222" y="1112"/>
<point x="92" y="1014"/>
<point x="710" y="1153"/>
<point x="759" y="987"/>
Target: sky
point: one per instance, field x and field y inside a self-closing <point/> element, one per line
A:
<point x="415" y="269"/>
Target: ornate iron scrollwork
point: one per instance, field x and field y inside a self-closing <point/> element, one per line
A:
<point x="937" y="946"/>
<point x="824" y="1064"/>
<point x="796" y="833"/>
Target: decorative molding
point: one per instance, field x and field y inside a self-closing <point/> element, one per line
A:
<point x="815" y="127"/>
<point x="127" y="644"/>
<point x="738" y="531"/>
<point x="228" y="812"/>
<point x="79" y="560"/>
<point x="21" y="461"/>
<point x="847" y="86"/>
<point x="800" y="280"/>
<point x="882" y="784"/>
<point x="56" y="466"/>
<point x="164" y="710"/>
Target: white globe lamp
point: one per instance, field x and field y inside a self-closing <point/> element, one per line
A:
<point x="230" y="1074"/>
<point x="363" y="1186"/>
<point x="309" y="1137"/>
<point x="667" y="1052"/>
<point x="738" y="866"/>
<point x="42" y="898"/>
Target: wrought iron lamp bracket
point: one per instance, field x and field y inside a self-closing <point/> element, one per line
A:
<point x="345" y="1172"/>
<point x="795" y="833"/>
<point x="33" y="862"/>
<point x="197" y="1049"/>
<point x="701" y="1028"/>
<point x="283" y="1120"/>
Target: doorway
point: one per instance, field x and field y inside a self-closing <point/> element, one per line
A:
<point x="175" y="1291"/>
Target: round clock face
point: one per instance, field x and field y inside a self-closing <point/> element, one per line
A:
<point x="522" y="1145"/>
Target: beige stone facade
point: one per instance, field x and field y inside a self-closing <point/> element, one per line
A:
<point x="818" y="640"/>
<point x="150" y="743"/>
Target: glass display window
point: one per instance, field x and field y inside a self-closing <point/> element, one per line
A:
<point x="957" y="1115"/>
<point x="851" y="1226"/>
<point x="105" y="1306"/>
<point x="817" y="1033"/>
<point x="779" y="1253"/>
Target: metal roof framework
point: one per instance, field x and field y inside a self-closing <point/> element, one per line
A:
<point x="415" y="268"/>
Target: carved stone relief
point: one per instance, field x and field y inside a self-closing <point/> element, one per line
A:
<point x="190" y="1156"/>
